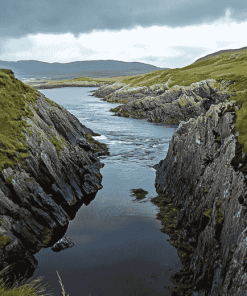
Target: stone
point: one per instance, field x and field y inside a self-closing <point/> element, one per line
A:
<point x="159" y="103"/>
<point x="201" y="176"/>
<point x="63" y="244"/>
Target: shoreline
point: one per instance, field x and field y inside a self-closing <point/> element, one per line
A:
<point x="64" y="85"/>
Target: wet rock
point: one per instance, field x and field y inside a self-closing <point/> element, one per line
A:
<point x="63" y="244"/>
<point x="201" y="176"/>
<point x="139" y="193"/>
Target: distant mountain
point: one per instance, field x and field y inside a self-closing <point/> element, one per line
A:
<point x="109" y="68"/>
<point x="218" y="52"/>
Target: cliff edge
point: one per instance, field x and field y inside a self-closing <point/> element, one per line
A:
<point x="48" y="169"/>
<point x="204" y="176"/>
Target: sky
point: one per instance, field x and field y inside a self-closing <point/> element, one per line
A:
<point x="169" y="34"/>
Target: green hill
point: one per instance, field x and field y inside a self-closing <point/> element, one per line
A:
<point x="229" y="67"/>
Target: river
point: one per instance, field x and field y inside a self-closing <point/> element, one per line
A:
<point x="119" y="248"/>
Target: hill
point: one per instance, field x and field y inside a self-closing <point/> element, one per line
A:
<point x="100" y="68"/>
<point x="220" y="52"/>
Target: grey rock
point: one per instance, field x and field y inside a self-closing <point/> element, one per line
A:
<point x="203" y="175"/>
<point x="63" y="244"/>
<point x="45" y="194"/>
<point x="159" y="103"/>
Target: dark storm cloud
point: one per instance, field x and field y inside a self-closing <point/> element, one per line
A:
<point x="18" y="18"/>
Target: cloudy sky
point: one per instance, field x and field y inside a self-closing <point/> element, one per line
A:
<point x="164" y="33"/>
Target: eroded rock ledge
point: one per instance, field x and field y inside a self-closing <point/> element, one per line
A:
<point x="38" y="198"/>
<point x="204" y="175"/>
<point x="159" y="103"/>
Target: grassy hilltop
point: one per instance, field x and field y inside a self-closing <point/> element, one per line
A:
<point x="228" y="67"/>
<point x="14" y="99"/>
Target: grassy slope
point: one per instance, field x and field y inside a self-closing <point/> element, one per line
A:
<point x="227" y="66"/>
<point x="14" y="99"/>
<point x="13" y="95"/>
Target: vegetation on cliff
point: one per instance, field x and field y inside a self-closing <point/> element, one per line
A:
<point x="15" y="97"/>
<point x="228" y="69"/>
<point x="32" y="134"/>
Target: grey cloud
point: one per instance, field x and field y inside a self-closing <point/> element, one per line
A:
<point x="18" y="18"/>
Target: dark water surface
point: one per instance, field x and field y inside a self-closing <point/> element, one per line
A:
<point x="119" y="248"/>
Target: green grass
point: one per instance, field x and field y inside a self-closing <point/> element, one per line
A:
<point x="95" y="142"/>
<point x="15" y="100"/>
<point x="208" y="213"/>
<point x="218" y="67"/>
<point x="219" y="212"/>
<point x="14" y="96"/>
<point x="57" y="144"/>
<point x="227" y="66"/>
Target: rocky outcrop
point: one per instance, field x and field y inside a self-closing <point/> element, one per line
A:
<point x="63" y="244"/>
<point x="39" y="196"/>
<point x="204" y="175"/>
<point x="159" y="103"/>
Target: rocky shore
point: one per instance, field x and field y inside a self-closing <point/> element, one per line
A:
<point x="39" y="196"/>
<point x="201" y="182"/>
<point x="204" y="177"/>
<point x="159" y="103"/>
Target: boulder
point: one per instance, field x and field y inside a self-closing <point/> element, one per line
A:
<point x="62" y="244"/>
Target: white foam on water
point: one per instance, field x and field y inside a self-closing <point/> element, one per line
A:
<point x="102" y="137"/>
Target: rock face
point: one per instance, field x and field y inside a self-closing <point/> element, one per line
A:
<point x="39" y="197"/>
<point x="63" y="244"/>
<point x="204" y="175"/>
<point x="159" y="103"/>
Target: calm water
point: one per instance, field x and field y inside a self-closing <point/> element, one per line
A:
<point x="119" y="249"/>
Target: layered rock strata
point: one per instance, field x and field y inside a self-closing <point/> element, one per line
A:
<point x="159" y="103"/>
<point x="40" y="196"/>
<point x="204" y="175"/>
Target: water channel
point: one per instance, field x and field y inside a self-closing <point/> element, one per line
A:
<point x="119" y="248"/>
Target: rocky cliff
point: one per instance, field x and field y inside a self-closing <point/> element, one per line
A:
<point x="161" y="103"/>
<point x="204" y="177"/>
<point x="41" y="193"/>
